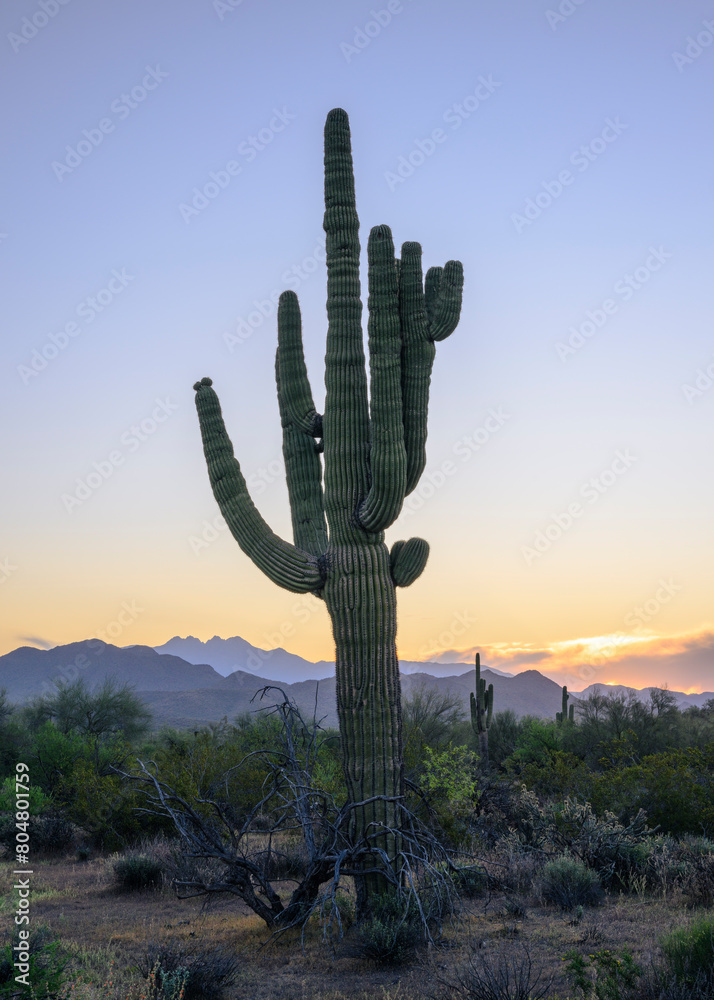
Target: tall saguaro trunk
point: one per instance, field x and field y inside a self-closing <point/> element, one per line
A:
<point x="374" y="455"/>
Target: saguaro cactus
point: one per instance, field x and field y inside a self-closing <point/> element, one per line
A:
<point x="565" y="716"/>
<point x="374" y="454"/>
<point x="482" y="712"/>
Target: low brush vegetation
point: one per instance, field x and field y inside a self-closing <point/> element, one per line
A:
<point x="579" y="865"/>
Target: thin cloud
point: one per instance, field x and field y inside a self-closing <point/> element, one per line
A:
<point x="682" y="662"/>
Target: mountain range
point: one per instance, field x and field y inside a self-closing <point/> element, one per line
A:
<point x="182" y="693"/>
<point x="228" y="655"/>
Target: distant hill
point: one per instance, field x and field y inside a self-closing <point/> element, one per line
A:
<point x="26" y="672"/>
<point x="683" y="700"/>
<point x="235" y="653"/>
<point x="529" y="693"/>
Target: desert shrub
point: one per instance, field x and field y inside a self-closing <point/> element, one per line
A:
<point x="496" y="975"/>
<point x="568" y="883"/>
<point x="135" y="872"/>
<point x="689" y="951"/>
<point x="685" y="864"/>
<point x="46" y="964"/>
<point x="393" y="930"/>
<point x="697" y="882"/>
<point x="604" y="975"/>
<point x="203" y="974"/>
<point x="49" y="834"/>
<point x="613" y="850"/>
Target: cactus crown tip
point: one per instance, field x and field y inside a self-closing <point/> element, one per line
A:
<point x="204" y="381"/>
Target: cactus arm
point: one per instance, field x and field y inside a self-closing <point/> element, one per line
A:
<point x="303" y="472"/>
<point x="443" y="294"/>
<point x="387" y="456"/>
<point x="489" y="705"/>
<point x="346" y="420"/>
<point x="296" y="393"/>
<point x="474" y="713"/>
<point x="282" y="562"/>
<point x="417" y="360"/>
<point x="571" y="714"/>
<point x="429" y="312"/>
<point x="407" y="560"/>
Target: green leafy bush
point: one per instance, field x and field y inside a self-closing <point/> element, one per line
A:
<point x="689" y="951"/>
<point x="604" y="975"/>
<point x="46" y="964"/>
<point x="39" y="802"/>
<point x="568" y="883"/>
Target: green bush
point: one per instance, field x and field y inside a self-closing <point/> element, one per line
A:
<point x="46" y="964"/>
<point x="689" y="951"/>
<point x="568" y="883"/>
<point x="135" y="872"/>
<point x="394" y="929"/>
<point x="39" y="802"/>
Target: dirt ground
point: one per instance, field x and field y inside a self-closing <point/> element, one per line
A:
<point x="100" y="925"/>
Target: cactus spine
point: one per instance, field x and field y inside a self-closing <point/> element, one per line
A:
<point x="565" y="715"/>
<point x="374" y="455"/>
<point x="482" y="712"/>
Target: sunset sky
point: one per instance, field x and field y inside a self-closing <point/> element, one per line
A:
<point x="163" y="183"/>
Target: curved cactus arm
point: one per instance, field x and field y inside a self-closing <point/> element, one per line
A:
<point x="407" y="561"/>
<point x="387" y="455"/>
<point x="296" y="392"/>
<point x="303" y="472"/>
<point x="475" y="718"/>
<point x="429" y="311"/>
<point x="443" y="292"/>
<point x="417" y="359"/>
<point x="282" y="562"/>
<point x="346" y="420"/>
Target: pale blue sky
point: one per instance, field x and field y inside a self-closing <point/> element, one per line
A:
<point x="220" y="76"/>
